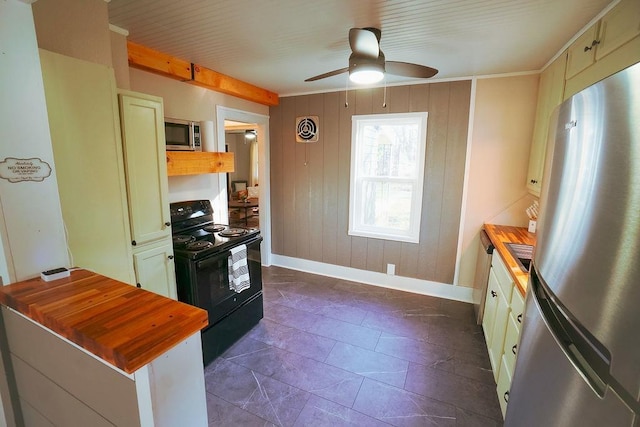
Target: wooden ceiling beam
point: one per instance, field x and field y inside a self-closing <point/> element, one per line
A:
<point x="210" y="79"/>
<point x="157" y="62"/>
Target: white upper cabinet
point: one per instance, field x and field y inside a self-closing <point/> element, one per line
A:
<point x="142" y="124"/>
<point x="549" y="96"/>
<point x="610" y="45"/>
<point x="618" y="27"/>
<point x="581" y="53"/>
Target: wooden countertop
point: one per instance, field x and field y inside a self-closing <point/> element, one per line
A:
<point x="121" y="324"/>
<point x="501" y="234"/>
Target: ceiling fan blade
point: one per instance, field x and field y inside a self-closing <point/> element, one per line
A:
<point x="410" y="70"/>
<point x="329" y="74"/>
<point x="364" y="42"/>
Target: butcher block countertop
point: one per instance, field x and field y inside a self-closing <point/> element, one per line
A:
<point x="501" y="234"/>
<point x="121" y="324"/>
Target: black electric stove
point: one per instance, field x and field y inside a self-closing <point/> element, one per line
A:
<point x="202" y="249"/>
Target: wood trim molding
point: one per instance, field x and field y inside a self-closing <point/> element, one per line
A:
<point x="166" y="65"/>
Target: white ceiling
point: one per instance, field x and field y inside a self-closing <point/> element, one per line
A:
<point x="276" y="44"/>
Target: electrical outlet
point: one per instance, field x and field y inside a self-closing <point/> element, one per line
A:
<point x="391" y="269"/>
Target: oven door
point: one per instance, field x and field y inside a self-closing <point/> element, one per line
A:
<point x="212" y="283"/>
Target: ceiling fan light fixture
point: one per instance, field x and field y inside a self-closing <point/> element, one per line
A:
<point x="366" y="76"/>
<point x="364" y="70"/>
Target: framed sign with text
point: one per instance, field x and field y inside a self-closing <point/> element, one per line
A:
<point x="18" y="170"/>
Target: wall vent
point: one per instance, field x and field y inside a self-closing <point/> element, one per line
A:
<point x="307" y="129"/>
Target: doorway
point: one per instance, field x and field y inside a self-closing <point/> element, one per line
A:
<point x="260" y="124"/>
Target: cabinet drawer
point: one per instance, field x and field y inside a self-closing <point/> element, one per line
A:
<point x="517" y="307"/>
<point x="502" y="275"/>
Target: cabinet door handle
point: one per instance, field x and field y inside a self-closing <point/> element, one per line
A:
<point x="533" y="181"/>
<point x="519" y="318"/>
<point x="168" y="224"/>
<point x="138" y="285"/>
<point x="505" y="396"/>
<point x="593" y="44"/>
<point x="513" y="349"/>
<point x="494" y="294"/>
<point x="133" y="242"/>
<point x="170" y="257"/>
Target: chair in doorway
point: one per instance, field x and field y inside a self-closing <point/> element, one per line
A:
<point x="236" y="188"/>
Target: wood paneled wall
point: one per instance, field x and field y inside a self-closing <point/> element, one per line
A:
<point x="310" y="182"/>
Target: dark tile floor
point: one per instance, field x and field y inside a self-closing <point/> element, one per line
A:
<point x="330" y="352"/>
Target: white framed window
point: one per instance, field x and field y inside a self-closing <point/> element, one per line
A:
<point x="387" y="175"/>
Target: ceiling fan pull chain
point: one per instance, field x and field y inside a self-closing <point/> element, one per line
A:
<point x="384" y="95"/>
<point x="346" y="95"/>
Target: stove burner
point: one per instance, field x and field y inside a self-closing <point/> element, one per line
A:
<point x="214" y="228"/>
<point x="182" y="239"/>
<point x="233" y="232"/>
<point x="198" y="245"/>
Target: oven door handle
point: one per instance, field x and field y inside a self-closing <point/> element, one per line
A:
<point x="205" y="263"/>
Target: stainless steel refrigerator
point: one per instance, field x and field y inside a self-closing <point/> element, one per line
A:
<point x="579" y="353"/>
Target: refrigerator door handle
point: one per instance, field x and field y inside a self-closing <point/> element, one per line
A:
<point x="586" y="353"/>
<point x="589" y="356"/>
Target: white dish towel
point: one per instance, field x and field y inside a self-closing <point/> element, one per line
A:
<point x="238" y="269"/>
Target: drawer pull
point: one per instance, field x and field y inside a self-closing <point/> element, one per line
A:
<point x="519" y="318"/>
<point x="494" y="294"/>
<point x="513" y="349"/>
<point x="505" y="396"/>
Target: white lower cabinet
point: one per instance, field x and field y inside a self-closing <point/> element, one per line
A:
<point x="490" y="306"/>
<point x="154" y="269"/>
<point x="496" y="345"/>
<point x="503" y="386"/>
<point x="501" y="324"/>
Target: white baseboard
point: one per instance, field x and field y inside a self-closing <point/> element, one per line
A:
<point x="408" y="284"/>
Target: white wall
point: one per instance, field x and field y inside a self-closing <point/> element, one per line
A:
<point x="31" y="227"/>
<point x="189" y="102"/>
<point x="32" y="230"/>
<point x="503" y="120"/>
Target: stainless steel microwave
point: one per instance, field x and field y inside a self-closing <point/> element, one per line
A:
<point x="182" y="135"/>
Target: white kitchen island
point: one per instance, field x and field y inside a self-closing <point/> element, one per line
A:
<point x="92" y="351"/>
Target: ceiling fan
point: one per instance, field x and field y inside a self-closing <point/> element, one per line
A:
<point x="367" y="63"/>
